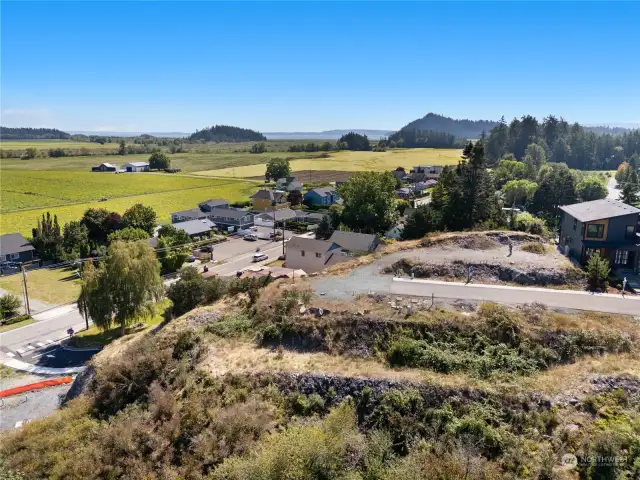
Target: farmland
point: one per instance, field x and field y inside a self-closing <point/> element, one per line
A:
<point x="163" y="203"/>
<point x="352" y="161"/>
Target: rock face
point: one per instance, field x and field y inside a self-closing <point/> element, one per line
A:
<point x="495" y="272"/>
<point x="80" y="384"/>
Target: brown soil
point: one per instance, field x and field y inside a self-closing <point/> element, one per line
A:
<point x="313" y="176"/>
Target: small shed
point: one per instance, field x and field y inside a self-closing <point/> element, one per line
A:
<point x="136" y="167"/>
<point x="105" y="167"/>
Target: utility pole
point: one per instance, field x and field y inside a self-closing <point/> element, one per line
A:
<point x="284" y="226"/>
<point x="26" y="291"/>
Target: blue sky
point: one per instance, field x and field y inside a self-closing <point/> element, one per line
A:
<point x="179" y="66"/>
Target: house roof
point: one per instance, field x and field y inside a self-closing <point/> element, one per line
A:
<point x="352" y="241"/>
<point x="273" y="195"/>
<point x="192" y="212"/>
<point x="194" y="227"/>
<point x="110" y="165"/>
<point x="429" y="183"/>
<point x="310" y="244"/>
<point x="214" y="202"/>
<point x="323" y="191"/>
<point x="404" y="190"/>
<point x="278" y="215"/>
<point x="137" y="164"/>
<point x="317" y="216"/>
<point x="599" y="209"/>
<point x="228" y="212"/>
<point x="14" y="243"/>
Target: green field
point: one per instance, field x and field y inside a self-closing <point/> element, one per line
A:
<point x="353" y="162"/>
<point x="47" y="144"/>
<point x="66" y="186"/>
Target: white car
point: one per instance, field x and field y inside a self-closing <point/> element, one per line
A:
<point x="259" y="256"/>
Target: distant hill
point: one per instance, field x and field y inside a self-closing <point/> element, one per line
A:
<point x="458" y="128"/>
<point x="327" y="134"/>
<point x="226" y="133"/>
<point x="22" y="133"/>
<point x="129" y="134"/>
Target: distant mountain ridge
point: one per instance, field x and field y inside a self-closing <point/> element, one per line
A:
<point x="226" y="133"/>
<point x="464" y="128"/>
<point x="26" y="133"/>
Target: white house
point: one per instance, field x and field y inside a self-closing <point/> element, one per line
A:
<point x="313" y="255"/>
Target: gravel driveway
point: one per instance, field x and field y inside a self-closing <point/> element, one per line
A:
<point x="30" y="406"/>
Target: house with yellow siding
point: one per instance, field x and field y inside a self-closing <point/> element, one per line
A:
<point x="265" y="200"/>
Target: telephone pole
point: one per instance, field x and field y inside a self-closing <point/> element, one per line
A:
<point x="26" y="290"/>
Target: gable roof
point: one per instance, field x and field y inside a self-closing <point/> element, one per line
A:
<point x="599" y="209"/>
<point x="137" y="164"/>
<point x="278" y="215"/>
<point x="324" y="191"/>
<point x="354" y="242"/>
<point x="228" y="212"/>
<point x="14" y="243"/>
<point x="310" y="245"/>
<point x="194" y="227"/>
<point x="273" y="195"/>
<point x="192" y="213"/>
<point x="110" y="165"/>
<point x="214" y="202"/>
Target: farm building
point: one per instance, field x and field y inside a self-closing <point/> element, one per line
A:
<point x="136" y="167"/>
<point x="105" y="167"/>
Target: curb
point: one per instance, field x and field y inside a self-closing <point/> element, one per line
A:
<point x="27" y="367"/>
<point x="64" y="346"/>
<point x="35" y="386"/>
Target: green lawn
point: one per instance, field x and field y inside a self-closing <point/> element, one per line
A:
<point x="94" y="337"/>
<point x="52" y="286"/>
<point x="6" y="328"/>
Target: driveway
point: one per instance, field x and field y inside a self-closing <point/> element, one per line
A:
<point x="613" y="192"/>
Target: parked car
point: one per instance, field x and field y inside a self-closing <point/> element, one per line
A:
<point x="252" y="237"/>
<point x="259" y="256"/>
<point x="207" y="249"/>
<point x="191" y="259"/>
<point x="253" y="229"/>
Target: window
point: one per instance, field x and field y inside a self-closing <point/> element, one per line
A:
<point x="318" y="255"/>
<point x="630" y="232"/>
<point x="621" y="257"/>
<point x="575" y="224"/>
<point x="595" y="230"/>
<point x="3" y="258"/>
<point x="302" y="253"/>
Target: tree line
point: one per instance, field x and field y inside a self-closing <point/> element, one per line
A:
<point x="561" y="142"/>
<point x="226" y="133"/>
<point x="24" y="133"/>
<point x="414" y="138"/>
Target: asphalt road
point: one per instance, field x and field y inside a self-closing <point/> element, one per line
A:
<point x="569" y="299"/>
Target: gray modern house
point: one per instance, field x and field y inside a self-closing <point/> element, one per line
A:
<point x="605" y="226"/>
<point x="15" y="248"/>
<point x="224" y="217"/>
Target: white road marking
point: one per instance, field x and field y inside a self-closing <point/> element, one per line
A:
<point x="30" y="347"/>
<point x="40" y="344"/>
<point x="10" y="354"/>
<point x="45" y="353"/>
<point x="21" y="351"/>
<point x="48" y="341"/>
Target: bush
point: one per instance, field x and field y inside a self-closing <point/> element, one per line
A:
<point x="534" y="247"/>
<point x="9" y="305"/>
<point x="598" y="273"/>
<point x="525" y="222"/>
<point x="16" y="319"/>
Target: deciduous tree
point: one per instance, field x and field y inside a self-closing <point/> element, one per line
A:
<point x="172" y="252"/>
<point x="369" y="202"/>
<point x="591" y="188"/>
<point x="159" y="161"/>
<point x="140" y="216"/>
<point x="123" y="288"/>
<point x="278" y="168"/>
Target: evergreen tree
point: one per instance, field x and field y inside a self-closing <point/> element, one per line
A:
<point x="122" y="149"/>
<point x="424" y="220"/>
<point x="47" y="238"/>
<point x="325" y="229"/>
<point x="630" y="191"/>
<point x="597" y="273"/>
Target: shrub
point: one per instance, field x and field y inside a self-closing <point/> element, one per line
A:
<point x="525" y="222"/>
<point x="534" y="247"/>
<point x="9" y="305"/>
<point x="597" y="273"/>
<point x="231" y="326"/>
<point x="16" y="319"/>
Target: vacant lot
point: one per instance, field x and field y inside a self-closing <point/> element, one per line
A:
<point x="51" y="286"/>
<point x="353" y="162"/>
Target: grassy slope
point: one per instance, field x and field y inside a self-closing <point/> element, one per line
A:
<point x="55" y="287"/>
<point x="354" y="161"/>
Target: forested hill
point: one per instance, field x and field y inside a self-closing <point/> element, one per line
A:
<point x="468" y="129"/>
<point x="561" y="142"/>
<point x="226" y="133"/>
<point x="9" y="133"/>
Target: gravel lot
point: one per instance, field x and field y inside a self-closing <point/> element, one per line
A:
<point x="30" y="406"/>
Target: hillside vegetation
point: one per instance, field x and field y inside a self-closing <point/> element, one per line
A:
<point x="226" y="133"/>
<point x="259" y="387"/>
<point x="8" y="133"/>
<point x="466" y="129"/>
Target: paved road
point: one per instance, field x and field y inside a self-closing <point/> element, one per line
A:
<point x="612" y="191"/>
<point x="569" y="299"/>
